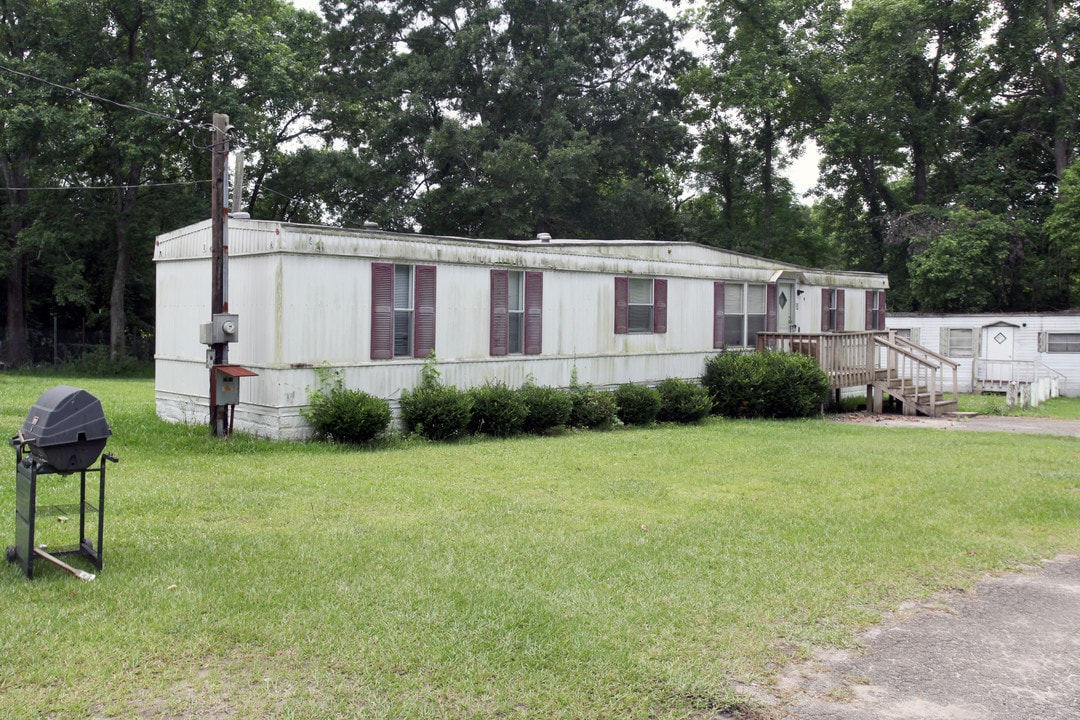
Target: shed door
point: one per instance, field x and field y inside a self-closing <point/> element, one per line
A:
<point x="997" y="352"/>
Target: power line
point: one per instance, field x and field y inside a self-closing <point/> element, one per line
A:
<point x="62" y="188"/>
<point x="98" y="98"/>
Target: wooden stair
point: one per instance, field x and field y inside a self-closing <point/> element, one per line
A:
<point x="915" y="399"/>
<point x="914" y="376"/>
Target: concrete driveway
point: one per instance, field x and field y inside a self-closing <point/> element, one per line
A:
<point x="1009" y="650"/>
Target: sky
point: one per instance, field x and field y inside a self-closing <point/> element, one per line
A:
<point x="803" y="172"/>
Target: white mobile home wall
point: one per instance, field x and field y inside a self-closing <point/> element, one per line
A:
<point x="1028" y="333"/>
<point x="303" y="296"/>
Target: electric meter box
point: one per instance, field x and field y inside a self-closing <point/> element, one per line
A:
<point x="224" y="328"/>
<point x="227" y="383"/>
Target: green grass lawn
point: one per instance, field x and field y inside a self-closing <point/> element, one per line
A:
<point x="992" y="404"/>
<point x="628" y="574"/>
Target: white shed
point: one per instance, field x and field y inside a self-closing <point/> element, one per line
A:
<point x="994" y="350"/>
<point x="372" y="304"/>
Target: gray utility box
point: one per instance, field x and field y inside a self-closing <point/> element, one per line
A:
<point x="66" y="428"/>
<point x="224" y="328"/>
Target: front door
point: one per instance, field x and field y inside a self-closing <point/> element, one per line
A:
<point x="997" y="352"/>
<point x="785" y="308"/>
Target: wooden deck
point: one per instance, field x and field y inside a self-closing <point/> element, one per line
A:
<point x="923" y="381"/>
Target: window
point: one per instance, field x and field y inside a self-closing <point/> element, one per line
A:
<point x="741" y="313"/>
<point x="402" y="310"/>
<point x="640" y="305"/>
<point x="1063" y="342"/>
<point x="517" y="300"/>
<point x="875" y="309"/>
<point x="832" y="310"/>
<point x="957" y="342"/>
<point x="911" y="334"/>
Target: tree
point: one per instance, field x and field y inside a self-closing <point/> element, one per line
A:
<point x="761" y="91"/>
<point x="509" y="117"/>
<point x="149" y="75"/>
<point x="1063" y="228"/>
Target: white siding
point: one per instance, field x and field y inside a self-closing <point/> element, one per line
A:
<point x="1028" y="327"/>
<point x="303" y="295"/>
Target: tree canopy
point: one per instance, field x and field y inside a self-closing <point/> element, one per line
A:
<point x="949" y="132"/>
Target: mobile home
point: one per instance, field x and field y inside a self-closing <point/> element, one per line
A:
<point x="375" y="304"/>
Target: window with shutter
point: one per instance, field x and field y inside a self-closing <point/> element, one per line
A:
<point x="402" y="310"/>
<point x="640" y="305"/>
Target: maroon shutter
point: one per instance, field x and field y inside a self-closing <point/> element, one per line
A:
<point x="839" y="311"/>
<point x="500" y="324"/>
<point x="622" y="305"/>
<point x="659" y="312"/>
<point x="424" y="311"/>
<point x="870" y="310"/>
<point x="718" y="315"/>
<point x="881" y="310"/>
<point x="771" y="310"/>
<point x="826" y="296"/>
<point x="534" y="312"/>
<point x="382" y="311"/>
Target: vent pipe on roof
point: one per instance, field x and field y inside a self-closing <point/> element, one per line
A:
<point x="543" y="237"/>
<point x="371" y="225"/>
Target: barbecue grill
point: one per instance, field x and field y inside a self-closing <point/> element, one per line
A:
<point x="65" y="432"/>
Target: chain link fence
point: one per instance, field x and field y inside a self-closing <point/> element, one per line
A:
<point x="63" y="346"/>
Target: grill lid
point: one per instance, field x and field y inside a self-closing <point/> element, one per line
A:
<point x="67" y="427"/>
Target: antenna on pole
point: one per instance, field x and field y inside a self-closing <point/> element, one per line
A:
<point x="238" y="183"/>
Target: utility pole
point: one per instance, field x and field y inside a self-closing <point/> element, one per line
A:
<point x="219" y="301"/>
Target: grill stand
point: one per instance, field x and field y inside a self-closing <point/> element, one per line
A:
<point x="27" y="470"/>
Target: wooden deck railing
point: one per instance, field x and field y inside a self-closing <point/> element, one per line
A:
<point x="918" y="376"/>
<point x="849" y="358"/>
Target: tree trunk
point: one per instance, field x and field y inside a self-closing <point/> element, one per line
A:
<point x="768" y="140"/>
<point x="16" y="345"/>
<point x="918" y="153"/>
<point x="1058" y="92"/>
<point x="125" y="206"/>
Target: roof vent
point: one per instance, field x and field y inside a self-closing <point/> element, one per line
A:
<point x="371" y="225"/>
<point x="543" y="237"/>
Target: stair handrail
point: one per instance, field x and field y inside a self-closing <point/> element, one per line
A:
<point x="917" y="348"/>
<point x="924" y="357"/>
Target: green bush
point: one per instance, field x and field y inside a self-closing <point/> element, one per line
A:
<point x="765" y="384"/>
<point x="637" y="404"/>
<point x="437" y="412"/>
<point x="342" y="415"/>
<point x="546" y="408"/>
<point x="683" y="401"/>
<point x="592" y="408"/>
<point x="497" y="410"/>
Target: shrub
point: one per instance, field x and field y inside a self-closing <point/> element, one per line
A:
<point x="497" y="410"/>
<point x="592" y="408"/>
<point x="437" y="412"/>
<point x="637" y="404"/>
<point x="765" y="384"/>
<point x="683" y="401"/>
<point x="342" y="415"/>
<point x="546" y="408"/>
